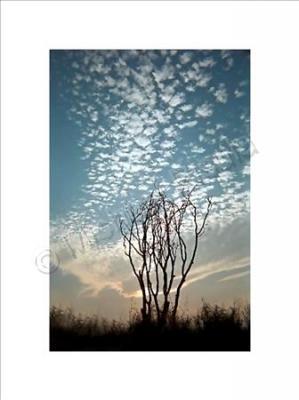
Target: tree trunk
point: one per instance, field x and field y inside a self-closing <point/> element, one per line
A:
<point x="164" y="314"/>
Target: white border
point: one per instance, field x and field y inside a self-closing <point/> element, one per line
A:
<point x="29" y="30"/>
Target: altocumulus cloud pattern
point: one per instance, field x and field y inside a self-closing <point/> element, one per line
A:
<point x="173" y="119"/>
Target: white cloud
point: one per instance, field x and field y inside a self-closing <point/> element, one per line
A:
<point x="238" y="93"/>
<point x="167" y="144"/>
<point x="177" y="99"/>
<point x="246" y="170"/>
<point x="186" y="57"/>
<point x="166" y="72"/>
<point x="142" y="141"/>
<point x="221" y="94"/>
<point x="187" y="107"/>
<point x="204" y="111"/>
<point x="189" y="124"/>
<point x="208" y="62"/>
<point x="221" y="157"/>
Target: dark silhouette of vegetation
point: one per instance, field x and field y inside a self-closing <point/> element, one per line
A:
<point x="213" y="328"/>
<point x="154" y="240"/>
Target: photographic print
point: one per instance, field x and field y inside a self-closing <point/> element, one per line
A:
<point x="150" y="200"/>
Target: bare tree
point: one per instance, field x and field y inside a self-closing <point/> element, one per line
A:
<point x="154" y="239"/>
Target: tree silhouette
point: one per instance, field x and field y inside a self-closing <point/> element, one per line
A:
<point x="154" y="239"/>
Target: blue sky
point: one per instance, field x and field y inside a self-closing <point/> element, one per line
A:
<point x="123" y="122"/>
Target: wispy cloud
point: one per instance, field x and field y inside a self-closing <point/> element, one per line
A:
<point x="235" y="276"/>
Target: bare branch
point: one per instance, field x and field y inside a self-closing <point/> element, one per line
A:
<point x="154" y="234"/>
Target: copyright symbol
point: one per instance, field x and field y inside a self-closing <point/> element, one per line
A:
<point x="47" y="261"/>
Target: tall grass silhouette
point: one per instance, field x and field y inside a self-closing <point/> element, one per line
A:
<point x="213" y="328"/>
